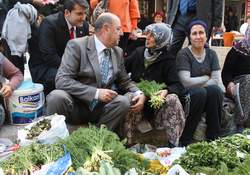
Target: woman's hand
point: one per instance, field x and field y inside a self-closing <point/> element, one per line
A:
<point x="162" y="93"/>
<point x="6" y="90"/>
<point x="231" y="89"/>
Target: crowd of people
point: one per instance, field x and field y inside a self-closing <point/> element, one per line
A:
<point x="91" y="76"/>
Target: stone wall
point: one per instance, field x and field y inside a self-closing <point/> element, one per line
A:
<point x="222" y="53"/>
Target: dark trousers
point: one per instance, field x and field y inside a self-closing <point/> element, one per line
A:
<point x="124" y="43"/>
<point x="77" y="112"/>
<point x="48" y="80"/>
<point x="205" y="99"/>
<point x="180" y="31"/>
<point x="44" y="77"/>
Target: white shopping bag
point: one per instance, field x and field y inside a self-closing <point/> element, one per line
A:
<point x="177" y="169"/>
<point x="57" y="131"/>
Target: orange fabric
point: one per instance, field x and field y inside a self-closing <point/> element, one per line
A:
<point x="93" y="3"/>
<point x="126" y="10"/>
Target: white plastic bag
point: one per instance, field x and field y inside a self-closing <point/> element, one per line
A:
<point x="177" y="169"/>
<point x="57" y="131"/>
<point x="168" y="155"/>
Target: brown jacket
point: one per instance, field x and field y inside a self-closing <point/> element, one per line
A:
<point x="126" y="10"/>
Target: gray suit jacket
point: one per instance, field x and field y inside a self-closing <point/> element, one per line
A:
<point x="79" y="73"/>
<point x="209" y="11"/>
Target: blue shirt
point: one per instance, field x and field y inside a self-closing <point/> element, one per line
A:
<point x="191" y="5"/>
<point x="187" y="5"/>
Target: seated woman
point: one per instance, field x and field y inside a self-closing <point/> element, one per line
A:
<point x="237" y="70"/>
<point x="199" y="71"/>
<point x="152" y="62"/>
<point x="15" y="77"/>
<point x="158" y="17"/>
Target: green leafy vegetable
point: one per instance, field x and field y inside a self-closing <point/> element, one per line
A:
<point x="82" y="143"/>
<point x="220" y="157"/>
<point x="150" y="88"/>
<point x="30" y="157"/>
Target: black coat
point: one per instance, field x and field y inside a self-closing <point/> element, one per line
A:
<point x="52" y="37"/>
<point x="163" y="70"/>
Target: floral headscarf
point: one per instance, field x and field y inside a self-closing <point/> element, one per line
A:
<point x="162" y="34"/>
<point x="244" y="45"/>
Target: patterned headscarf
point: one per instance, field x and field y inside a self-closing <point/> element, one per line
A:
<point x="162" y="34"/>
<point x="244" y="45"/>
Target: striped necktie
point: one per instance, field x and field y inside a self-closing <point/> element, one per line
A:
<point x="105" y="66"/>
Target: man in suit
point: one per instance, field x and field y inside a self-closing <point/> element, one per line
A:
<point x="91" y="71"/>
<point x="53" y="34"/>
<point x="182" y="12"/>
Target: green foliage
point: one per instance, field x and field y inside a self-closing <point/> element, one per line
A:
<point x="150" y="88"/>
<point x="218" y="157"/>
<point x="28" y="157"/>
<point x="246" y="131"/>
<point x="105" y="169"/>
<point x="211" y="154"/>
<point x="238" y="141"/>
<point x="82" y="142"/>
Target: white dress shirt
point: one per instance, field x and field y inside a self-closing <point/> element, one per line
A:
<point x="70" y="26"/>
<point x="100" y="54"/>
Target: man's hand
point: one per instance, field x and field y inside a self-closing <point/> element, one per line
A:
<point x="107" y="95"/>
<point x="162" y="93"/>
<point x="138" y="103"/>
<point x="231" y="89"/>
<point x="6" y="90"/>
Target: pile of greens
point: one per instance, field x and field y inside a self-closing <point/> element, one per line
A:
<point x="82" y="144"/>
<point x="218" y="156"/>
<point x="238" y="141"/>
<point x="38" y="128"/>
<point x="29" y="158"/>
<point x="242" y="169"/>
<point x="150" y="89"/>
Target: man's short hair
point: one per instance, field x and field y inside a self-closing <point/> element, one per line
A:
<point x="70" y="4"/>
<point x="248" y="17"/>
<point x="103" y="19"/>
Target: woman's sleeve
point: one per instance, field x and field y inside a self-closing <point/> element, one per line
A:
<point x="12" y="73"/>
<point x="189" y="81"/>
<point x="172" y="80"/>
<point x="93" y="4"/>
<point x="215" y="79"/>
<point x="134" y="13"/>
<point x="229" y="67"/>
<point x="182" y="61"/>
<point x="129" y="61"/>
